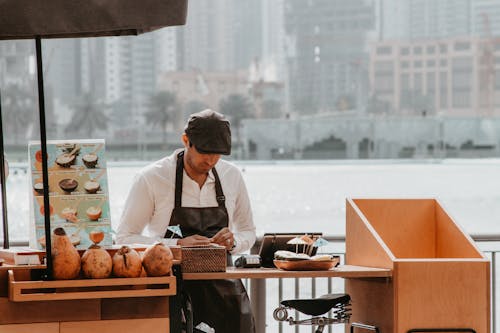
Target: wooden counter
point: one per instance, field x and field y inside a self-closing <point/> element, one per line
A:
<point x="343" y="271"/>
<point x="115" y="307"/>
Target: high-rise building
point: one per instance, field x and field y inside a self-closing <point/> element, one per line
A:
<point x="439" y="19"/>
<point x="485" y="15"/>
<point x="206" y="42"/>
<point x="327" y="54"/>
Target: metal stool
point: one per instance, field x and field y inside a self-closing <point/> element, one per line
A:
<point x="316" y="307"/>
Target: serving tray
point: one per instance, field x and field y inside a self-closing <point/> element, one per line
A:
<point x="307" y="265"/>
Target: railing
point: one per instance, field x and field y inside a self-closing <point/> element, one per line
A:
<point x="261" y="291"/>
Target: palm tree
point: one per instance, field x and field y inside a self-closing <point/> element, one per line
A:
<point x="162" y="110"/>
<point x="18" y="111"/>
<point x="236" y="107"/>
<point x="88" y="115"/>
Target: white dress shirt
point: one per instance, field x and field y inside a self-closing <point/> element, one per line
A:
<point x="152" y="197"/>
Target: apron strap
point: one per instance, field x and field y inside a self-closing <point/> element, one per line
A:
<point x="178" y="179"/>
<point x="219" y="194"/>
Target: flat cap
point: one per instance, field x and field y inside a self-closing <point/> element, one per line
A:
<point x="209" y="132"/>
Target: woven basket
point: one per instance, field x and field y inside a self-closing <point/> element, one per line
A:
<point x="197" y="259"/>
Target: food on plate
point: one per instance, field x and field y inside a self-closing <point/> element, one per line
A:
<point x="65" y="257"/>
<point x="322" y="257"/>
<point x="94" y="213"/>
<point x="157" y="260"/>
<point x="92" y="186"/>
<point x="68" y="184"/>
<point x="96" y="263"/>
<point x="69" y="213"/>
<point x="127" y="263"/>
<point x="90" y="160"/>
<point x="288" y="255"/>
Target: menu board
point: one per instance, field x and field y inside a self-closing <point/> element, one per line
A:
<point x="78" y="191"/>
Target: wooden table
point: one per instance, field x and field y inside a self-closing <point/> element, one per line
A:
<point x="258" y="292"/>
<point x="343" y="271"/>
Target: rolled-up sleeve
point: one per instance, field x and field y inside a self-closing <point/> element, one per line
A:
<point x="243" y="226"/>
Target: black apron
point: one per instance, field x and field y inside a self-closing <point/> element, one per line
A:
<point x="222" y="304"/>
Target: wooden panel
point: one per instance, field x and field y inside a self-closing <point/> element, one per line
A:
<point x="44" y="311"/>
<point x="443" y="294"/>
<point x="451" y="240"/>
<point x="407" y="226"/>
<point x="372" y="302"/>
<point x="89" y="288"/>
<point x="363" y="245"/>
<point x="30" y="328"/>
<point x="134" y="308"/>
<point x="154" y="325"/>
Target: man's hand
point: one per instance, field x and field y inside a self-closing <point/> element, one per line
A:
<point x="224" y="238"/>
<point x="193" y="241"/>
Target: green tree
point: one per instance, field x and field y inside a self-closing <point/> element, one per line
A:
<point x="88" y="116"/>
<point x="18" y="111"/>
<point x="162" y="108"/>
<point x="236" y="107"/>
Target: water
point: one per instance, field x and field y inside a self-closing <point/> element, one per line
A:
<point x="309" y="196"/>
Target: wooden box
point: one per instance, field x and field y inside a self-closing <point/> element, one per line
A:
<point x="440" y="278"/>
<point x="198" y="259"/>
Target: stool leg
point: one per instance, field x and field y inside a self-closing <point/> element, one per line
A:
<point x="364" y="326"/>
<point x="319" y="329"/>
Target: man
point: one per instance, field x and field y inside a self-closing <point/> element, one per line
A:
<point x="207" y="198"/>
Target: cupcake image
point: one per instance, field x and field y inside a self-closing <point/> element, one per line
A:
<point x="90" y="160"/>
<point x="94" y="213"/>
<point x="91" y="186"/>
<point x="68" y="185"/>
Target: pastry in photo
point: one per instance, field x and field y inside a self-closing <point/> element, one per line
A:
<point x="92" y="186"/>
<point x="38" y="187"/>
<point x="68" y="184"/>
<point x="94" y="213"/>
<point x="90" y="160"/>
<point x="65" y="160"/>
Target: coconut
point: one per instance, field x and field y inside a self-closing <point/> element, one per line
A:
<point x="127" y="263"/>
<point x="157" y="260"/>
<point x="65" y="257"/>
<point x="96" y="263"/>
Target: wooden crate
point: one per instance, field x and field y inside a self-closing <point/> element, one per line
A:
<point x="440" y="278"/>
<point x="21" y="290"/>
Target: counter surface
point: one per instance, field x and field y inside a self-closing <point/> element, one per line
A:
<point x="343" y="271"/>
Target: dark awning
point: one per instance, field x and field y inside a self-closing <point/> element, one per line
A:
<point x="20" y="19"/>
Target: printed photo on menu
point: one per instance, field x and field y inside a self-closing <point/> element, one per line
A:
<point x="78" y="191"/>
